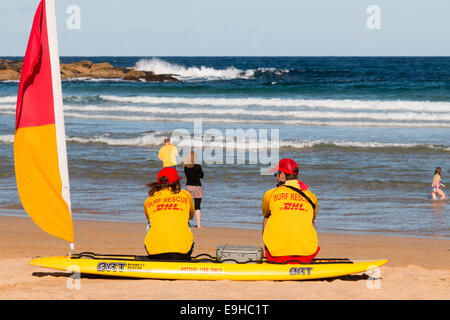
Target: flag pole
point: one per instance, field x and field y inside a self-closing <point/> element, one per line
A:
<point x="58" y="100"/>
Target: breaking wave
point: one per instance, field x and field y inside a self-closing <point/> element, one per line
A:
<point x="159" y="66"/>
<point x="423" y="106"/>
<point x="154" y="139"/>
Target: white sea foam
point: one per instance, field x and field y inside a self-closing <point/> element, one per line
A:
<point x="291" y="118"/>
<point x="145" y="140"/>
<point x="7" y="139"/>
<point x="253" y="121"/>
<point x="358" y="144"/>
<point x="8" y="99"/>
<point x="154" y="140"/>
<point x="392" y="116"/>
<point x="159" y="66"/>
<point x="256" y="110"/>
<point x="345" y="104"/>
<point x="349" y="104"/>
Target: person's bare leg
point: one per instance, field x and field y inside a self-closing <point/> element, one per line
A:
<point x="441" y="194"/>
<point x="197" y="216"/>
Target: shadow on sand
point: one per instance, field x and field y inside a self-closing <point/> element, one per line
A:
<point x="358" y="277"/>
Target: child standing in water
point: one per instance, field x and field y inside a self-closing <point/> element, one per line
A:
<point x="437" y="184"/>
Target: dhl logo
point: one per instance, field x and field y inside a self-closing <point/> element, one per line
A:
<point x="167" y="206"/>
<point x="293" y="206"/>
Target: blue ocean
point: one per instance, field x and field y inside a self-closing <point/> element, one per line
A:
<point x="367" y="133"/>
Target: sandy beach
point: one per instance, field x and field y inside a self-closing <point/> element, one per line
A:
<point x="418" y="268"/>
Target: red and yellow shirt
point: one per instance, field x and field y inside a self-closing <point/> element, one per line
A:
<point x="168" y="214"/>
<point x="289" y="230"/>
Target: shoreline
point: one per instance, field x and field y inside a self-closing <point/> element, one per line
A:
<point x="20" y="213"/>
<point x="87" y="230"/>
<point x="417" y="268"/>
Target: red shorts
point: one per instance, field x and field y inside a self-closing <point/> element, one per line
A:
<point x="298" y="259"/>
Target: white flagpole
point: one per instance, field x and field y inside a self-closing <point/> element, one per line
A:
<point x="58" y="103"/>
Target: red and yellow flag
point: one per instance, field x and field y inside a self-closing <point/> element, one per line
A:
<point x="39" y="144"/>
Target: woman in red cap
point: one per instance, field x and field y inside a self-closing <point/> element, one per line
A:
<point x="168" y="210"/>
<point x="289" y="212"/>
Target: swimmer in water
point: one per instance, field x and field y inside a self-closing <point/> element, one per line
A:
<point x="436" y="185"/>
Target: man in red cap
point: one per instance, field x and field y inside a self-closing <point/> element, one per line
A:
<point x="289" y="212"/>
<point x="168" y="210"/>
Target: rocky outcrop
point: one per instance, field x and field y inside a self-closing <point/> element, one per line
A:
<point x="84" y="69"/>
<point x="10" y="70"/>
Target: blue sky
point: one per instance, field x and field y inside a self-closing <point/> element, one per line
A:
<point x="237" y="28"/>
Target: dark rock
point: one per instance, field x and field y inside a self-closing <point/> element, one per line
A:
<point x="10" y="70"/>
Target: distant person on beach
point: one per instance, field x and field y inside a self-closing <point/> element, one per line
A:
<point x="436" y="185"/>
<point x="289" y="212"/>
<point x="168" y="154"/>
<point x="168" y="210"/>
<point x="193" y="174"/>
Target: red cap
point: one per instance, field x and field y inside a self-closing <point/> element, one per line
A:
<point x="170" y="173"/>
<point x="286" y="166"/>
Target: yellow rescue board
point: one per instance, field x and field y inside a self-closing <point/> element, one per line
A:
<point x="128" y="267"/>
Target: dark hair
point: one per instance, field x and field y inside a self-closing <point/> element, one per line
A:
<point x="292" y="176"/>
<point x="175" y="187"/>
<point x="438" y="170"/>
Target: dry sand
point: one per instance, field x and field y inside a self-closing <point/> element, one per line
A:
<point x="417" y="269"/>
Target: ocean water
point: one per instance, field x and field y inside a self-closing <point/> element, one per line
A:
<point x="367" y="134"/>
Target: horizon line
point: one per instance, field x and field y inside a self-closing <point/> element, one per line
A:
<point x="248" y="56"/>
